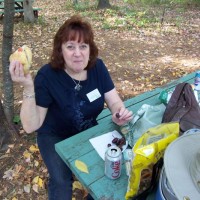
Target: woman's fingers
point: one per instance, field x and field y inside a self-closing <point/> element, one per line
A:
<point x="15" y="70"/>
<point x="125" y="113"/>
<point x="123" y="116"/>
<point x="17" y="74"/>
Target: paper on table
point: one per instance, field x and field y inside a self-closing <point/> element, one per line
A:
<point x="100" y="143"/>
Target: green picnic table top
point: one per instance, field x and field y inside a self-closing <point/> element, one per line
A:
<point x="78" y="147"/>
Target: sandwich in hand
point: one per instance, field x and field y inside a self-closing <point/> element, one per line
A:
<point x="24" y="56"/>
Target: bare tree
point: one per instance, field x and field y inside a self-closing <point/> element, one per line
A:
<point x="28" y="11"/>
<point x="103" y="4"/>
<point x="7" y="104"/>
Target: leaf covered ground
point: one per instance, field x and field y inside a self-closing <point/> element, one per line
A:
<point x="140" y="52"/>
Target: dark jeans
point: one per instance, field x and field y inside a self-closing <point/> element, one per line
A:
<point x="60" y="176"/>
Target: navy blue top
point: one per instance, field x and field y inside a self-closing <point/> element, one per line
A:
<point x="70" y="111"/>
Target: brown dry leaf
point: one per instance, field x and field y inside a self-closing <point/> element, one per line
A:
<point x="36" y="163"/>
<point x="35" y="188"/>
<point x="33" y="148"/>
<point x="21" y="131"/>
<point x="29" y="172"/>
<point x="27" y="154"/>
<point x="9" y="174"/>
<point x="4" y="156"/>
<point x="17" y="169"/>
<point x="37" y="180"/>
<point x="8" y="151"/>
<point x="77" y="184"/>
<point x="81" y="166"/>
<point x="27" y="188"/>
<point x="40" y="183"/>
<point x="11" y="145"/>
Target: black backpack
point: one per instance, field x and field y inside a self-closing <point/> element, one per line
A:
<point x="183" y="107"/>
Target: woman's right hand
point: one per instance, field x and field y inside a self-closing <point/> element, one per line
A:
<point x="18" y="76"/>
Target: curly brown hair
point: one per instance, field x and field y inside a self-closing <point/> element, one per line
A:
<point x="73" y="28"/>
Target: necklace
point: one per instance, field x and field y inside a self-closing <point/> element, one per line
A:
<point x="77" y="85"/>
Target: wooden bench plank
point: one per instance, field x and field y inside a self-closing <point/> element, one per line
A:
<point x="22" y="10"/>
<point x="18" y="8"/>
<point x="35" y="11"/>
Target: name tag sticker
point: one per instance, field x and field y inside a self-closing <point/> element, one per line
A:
<point x="93" y="95"/>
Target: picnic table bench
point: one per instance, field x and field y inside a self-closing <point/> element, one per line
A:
<point x="19" y="8"/>
<point x="78" y="147"/>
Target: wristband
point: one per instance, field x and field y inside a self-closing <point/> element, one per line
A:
<point x="28" y="96"/>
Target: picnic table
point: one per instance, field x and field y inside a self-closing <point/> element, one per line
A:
<point x="19" y="8"/>
<point x="78" y="147"/>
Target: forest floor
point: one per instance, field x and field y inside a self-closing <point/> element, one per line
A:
<point x="141" y="54"/>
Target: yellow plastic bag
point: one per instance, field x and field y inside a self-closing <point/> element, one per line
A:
<point x="148" y="149"/>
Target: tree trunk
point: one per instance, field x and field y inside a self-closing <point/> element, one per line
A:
<point x="7" y="132"/>
<point x="28" y="11"/>
<point x="8" y="26"/>
<point x="103" y="4"/>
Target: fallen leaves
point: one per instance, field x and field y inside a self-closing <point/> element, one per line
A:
<point x="30" y="175"/>
<point x="76" y="184"/>
<point x="33" y="148"/>
<point x="12" y="173"/>
<point x="79" y="191"/>
<point x="27" y="155"/>
<point x="27" y="188"/>
<point x="8" y="174"/>
<point x="38" y="180"/>
<point x="37" y="183"/>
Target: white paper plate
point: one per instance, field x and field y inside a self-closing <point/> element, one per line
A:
<point x="100" y="143"/>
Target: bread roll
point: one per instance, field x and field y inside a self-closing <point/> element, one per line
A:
<point x="24" y="56"/>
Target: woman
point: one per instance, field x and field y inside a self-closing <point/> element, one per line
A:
<point x="66" y="97"/>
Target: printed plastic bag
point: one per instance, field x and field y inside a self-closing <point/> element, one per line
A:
<point x="148" y="150"/>
<point x="146" y="117"/>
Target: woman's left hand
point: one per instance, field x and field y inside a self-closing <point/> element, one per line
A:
<point x="122" y="117"/>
